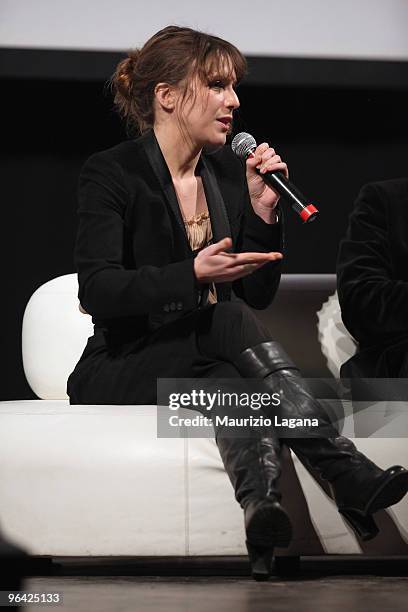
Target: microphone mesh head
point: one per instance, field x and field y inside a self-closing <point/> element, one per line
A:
<point x="243" y="144"/>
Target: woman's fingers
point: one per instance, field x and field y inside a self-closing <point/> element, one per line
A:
<point x="218" y="247"/>
<point x="240" y="271"/>
<point x="266" y="160"/>
<point x="214" y="264"/>
<point x="239" y="259"/>
<point x="274" y="165"/>
<point x="262" y="149"/>
<point x="244" y="266"/>
<point x="249" y="268"/>
<point x="256" y="159"/>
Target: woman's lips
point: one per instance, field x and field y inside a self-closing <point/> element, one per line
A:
<point x="225" y="122"/>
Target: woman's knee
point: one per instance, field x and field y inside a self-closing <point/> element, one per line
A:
<point x="231" y="311"/>
<point x="230" y="328"/>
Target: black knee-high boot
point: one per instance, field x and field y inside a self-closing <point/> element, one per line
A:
<point x="253" y="466"/>
<point x="358" y="486"/>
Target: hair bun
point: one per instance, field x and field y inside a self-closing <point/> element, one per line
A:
<point x="125" y="71"/>
<point x="132" y="59"/>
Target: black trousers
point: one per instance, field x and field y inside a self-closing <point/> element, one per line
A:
<point x="204" y="343"/>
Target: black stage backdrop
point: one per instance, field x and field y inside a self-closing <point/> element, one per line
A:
<point x="338" y="124"/>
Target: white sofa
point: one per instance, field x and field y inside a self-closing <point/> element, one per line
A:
<point x="96" y="481"/>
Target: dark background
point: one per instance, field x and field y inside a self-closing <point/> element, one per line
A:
<point x="338" y="124"/>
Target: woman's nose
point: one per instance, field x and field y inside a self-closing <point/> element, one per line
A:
<point x="232" y="100"/>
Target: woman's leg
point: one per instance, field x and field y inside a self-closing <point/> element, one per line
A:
<point x="226" y="329"/>
<point x="359" y="487"/>
<point x="251" y="458"/>
<point x="252" y="462"/>
<point x="203" y="345"/>
<point x="232" y="332"/>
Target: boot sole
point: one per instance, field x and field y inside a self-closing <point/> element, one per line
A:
<point x="260" y="558"/>
<point x="363" y="525"/>
<point x="391" y="492"/>
<point x="269" y="527"/>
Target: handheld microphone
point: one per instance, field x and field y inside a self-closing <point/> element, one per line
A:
<point x="244" y="146"/>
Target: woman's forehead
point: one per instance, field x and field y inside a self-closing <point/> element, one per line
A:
<point x="221" y="65"/>
<point x="216" y="66"/>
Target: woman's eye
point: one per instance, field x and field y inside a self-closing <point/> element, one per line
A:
<point x="217" y="84"/>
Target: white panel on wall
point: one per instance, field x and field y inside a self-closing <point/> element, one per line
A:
<point x="372" y="29"/>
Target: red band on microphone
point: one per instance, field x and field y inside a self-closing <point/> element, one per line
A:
<point x="308" y="211"/>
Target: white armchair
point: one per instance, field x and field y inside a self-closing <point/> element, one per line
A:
<point x="96" y="481"/>
<point x="336" y="343"/>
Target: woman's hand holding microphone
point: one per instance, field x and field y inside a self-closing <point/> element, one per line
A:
<point x="264" y="198"/>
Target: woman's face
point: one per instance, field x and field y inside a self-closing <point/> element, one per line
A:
<point x="207" y="115"/>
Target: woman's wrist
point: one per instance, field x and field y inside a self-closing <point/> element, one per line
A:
<point x="266" y="213"/>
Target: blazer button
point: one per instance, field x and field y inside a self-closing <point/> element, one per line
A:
<point x="166" y="308"/>
<point x="172" y="306"/>
<point x="179" y="306"/>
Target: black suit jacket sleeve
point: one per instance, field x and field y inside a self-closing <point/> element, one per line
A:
<point x="374" y="302"/>
<point x="106" y="288"/>
<point x="258" y="289"/>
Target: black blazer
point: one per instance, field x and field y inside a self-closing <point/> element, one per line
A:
<point x="372" y="277"/>
<point x="134" y="261"/>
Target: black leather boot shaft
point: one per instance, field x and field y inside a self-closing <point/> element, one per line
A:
<point x="252" y="465"/>
<point x="334" y="458"/>
<point x="268" y="361"/>
<point x="263" y="359"/>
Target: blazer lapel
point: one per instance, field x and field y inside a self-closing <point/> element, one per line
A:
<point x="160" y="168"/>
<point x="215" y="202"/>
<point x="219" y="220"/>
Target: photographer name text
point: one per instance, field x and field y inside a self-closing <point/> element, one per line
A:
<point x="250" y="421"/>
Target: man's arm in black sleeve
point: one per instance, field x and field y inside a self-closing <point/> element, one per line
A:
<point x="258" y="289"/>
<point x="374" y="303"/>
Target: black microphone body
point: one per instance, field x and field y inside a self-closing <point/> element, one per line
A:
<point x="244" y="146"/>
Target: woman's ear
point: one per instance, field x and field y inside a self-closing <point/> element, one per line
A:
<point x="165" y="95"/>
